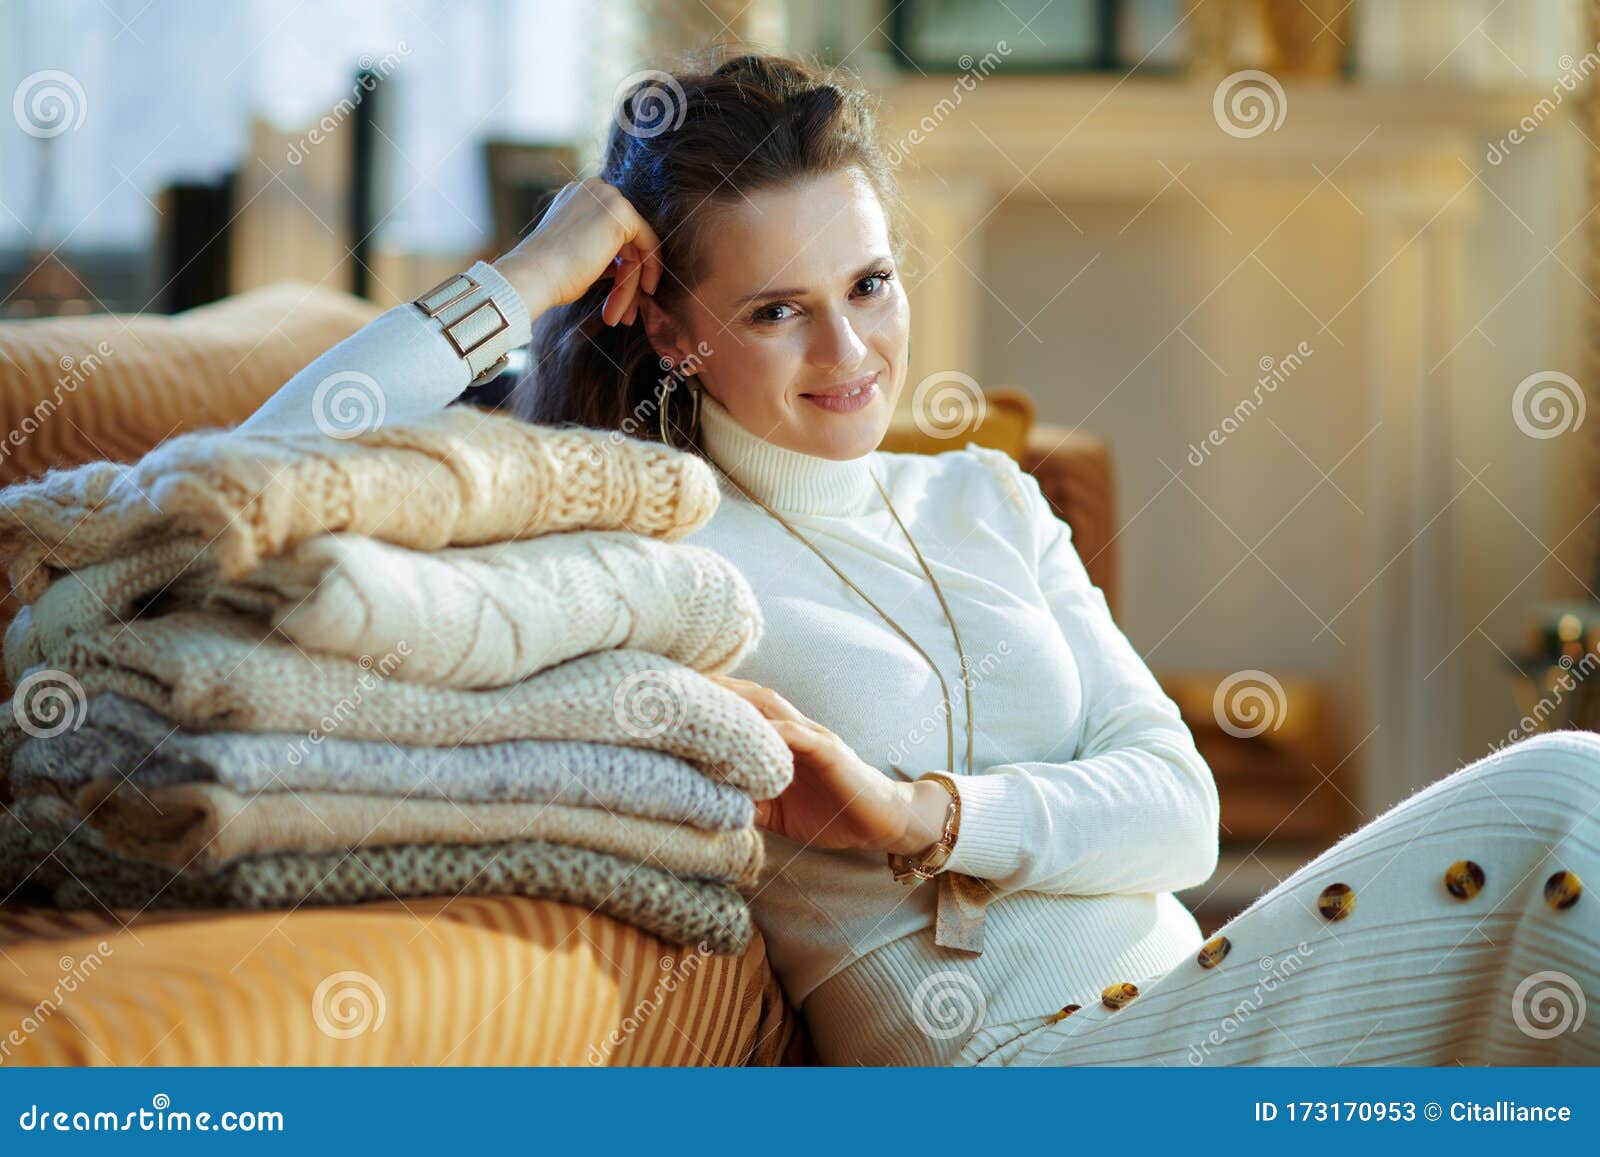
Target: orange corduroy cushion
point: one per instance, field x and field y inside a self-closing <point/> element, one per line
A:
<point x="496" y="980"/>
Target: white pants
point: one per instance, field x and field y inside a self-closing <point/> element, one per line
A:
<point x="1411" y="973"/>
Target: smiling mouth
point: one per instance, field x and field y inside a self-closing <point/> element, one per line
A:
<point x="848" y="390"/>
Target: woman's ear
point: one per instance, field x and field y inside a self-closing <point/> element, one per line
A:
<point x="663" y="331"/>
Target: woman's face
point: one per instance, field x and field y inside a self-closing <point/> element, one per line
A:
<point x="800" y="326"/>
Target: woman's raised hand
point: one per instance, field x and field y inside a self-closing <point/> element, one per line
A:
<point x="591" y="231"/>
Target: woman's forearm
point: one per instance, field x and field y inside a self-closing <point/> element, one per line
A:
<point x="399" y="366"/>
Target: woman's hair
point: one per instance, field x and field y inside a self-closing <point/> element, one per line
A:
<point x="679" y="149"/>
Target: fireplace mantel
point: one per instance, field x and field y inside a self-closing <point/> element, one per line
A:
<point x="1411" y="159"/>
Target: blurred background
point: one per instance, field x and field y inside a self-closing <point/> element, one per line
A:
<point x="1305" y="287"/>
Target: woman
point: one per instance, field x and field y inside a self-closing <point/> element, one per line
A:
<point x="731" y="281"/>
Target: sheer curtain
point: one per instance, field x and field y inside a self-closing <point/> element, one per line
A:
<point x="127" y="95"/>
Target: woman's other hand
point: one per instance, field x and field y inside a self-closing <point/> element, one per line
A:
<point x="837" y="800"/>
<point x="590" y="231"/>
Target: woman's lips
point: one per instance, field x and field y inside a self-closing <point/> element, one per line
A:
<point x="842" y="401"/>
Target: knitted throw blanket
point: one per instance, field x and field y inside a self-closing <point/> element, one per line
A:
<point x="202" y="827"/>
<point x="462" y="476"/>
<point x="460" y="617"/>
<point x="118" y="737"/>
<point x="210" y="671"/>
<point x="51" y="853"/>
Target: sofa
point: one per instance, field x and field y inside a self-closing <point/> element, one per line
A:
<point x="497" y="980"/>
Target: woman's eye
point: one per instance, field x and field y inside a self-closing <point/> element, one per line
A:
<point x="770" y="313"/>
<point x="875" y="283"/>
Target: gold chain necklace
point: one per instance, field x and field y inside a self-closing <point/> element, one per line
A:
<point x="962" y="898"/>
<point x="944" y="688"/>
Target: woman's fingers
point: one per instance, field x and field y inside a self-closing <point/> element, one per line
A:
<point x="647" y="246"/>
<point x="799" y="734"/>
<point x="620" y="300"/>
<point x="764" y="699"/>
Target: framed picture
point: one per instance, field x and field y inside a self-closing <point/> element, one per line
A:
<point x="1032" y="36"/>
<point x="523" y="179"/>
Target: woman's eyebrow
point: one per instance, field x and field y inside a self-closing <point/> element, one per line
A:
<point x="872" y="266"/>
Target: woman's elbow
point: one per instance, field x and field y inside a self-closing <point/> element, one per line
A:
<point x="1198" y="846"/>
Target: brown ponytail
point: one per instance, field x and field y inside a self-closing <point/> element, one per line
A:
<point x="679" y="146"/>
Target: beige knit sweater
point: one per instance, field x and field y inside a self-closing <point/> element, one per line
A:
<point x="212" y="670"/>
<point x="204" y="827"/>
<point x="462" y="476"/>
<point x="481" y="616"/>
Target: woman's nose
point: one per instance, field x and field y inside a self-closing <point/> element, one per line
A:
<point x="837" y="345"/>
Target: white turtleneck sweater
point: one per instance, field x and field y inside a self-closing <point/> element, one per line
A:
<point x="1088" y="804"/>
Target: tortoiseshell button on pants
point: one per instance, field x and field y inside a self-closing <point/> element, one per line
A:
<point x="1461" y="926"/>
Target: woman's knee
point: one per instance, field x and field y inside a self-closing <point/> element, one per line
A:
<point x="1562" y="767"/>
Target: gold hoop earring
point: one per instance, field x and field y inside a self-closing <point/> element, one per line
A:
<point x="668" y="384"/>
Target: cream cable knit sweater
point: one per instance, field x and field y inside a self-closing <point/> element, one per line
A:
<point x="475" y="616"/>
<point x="1090" y="804"/>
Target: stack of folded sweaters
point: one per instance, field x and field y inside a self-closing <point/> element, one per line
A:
<point x="460" y="655"/>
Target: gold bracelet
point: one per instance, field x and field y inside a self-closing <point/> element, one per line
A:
<point x="908" y="869"/>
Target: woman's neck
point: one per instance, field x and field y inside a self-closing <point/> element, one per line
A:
<point x="786" y="480"/>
